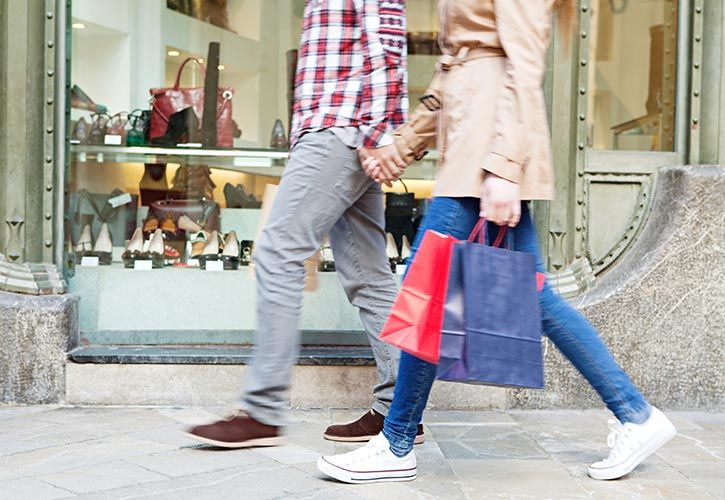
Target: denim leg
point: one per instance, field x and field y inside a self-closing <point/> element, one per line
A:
<point x="579" y="341"/>
<point x="451" y="216"/>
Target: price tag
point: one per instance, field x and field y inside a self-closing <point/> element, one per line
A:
<point x="143" y="265"/>
<point x="112" y="140"/>
<point x="214" y="265"/>
<point x="89" y="261"/>
<point x="120" y="200"/>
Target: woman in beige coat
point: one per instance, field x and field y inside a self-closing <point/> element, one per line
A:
<point x="486" y="107"/>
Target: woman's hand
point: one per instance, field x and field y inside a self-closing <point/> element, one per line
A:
<point x="500" y="200"/>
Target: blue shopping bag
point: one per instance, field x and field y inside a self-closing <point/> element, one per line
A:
<point x="491" y="331"/>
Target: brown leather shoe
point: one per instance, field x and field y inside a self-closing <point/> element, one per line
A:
<point x="168" y="225"/>
<point x="364" y="429"/>
<point x="238" y="431"/>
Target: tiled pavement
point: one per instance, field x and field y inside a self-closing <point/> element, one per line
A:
<point x="61" y="452"/>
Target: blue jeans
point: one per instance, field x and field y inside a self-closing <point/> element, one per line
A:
<point x="572" y="334"/>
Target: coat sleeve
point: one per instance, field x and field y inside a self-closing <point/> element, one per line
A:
<point x="413" y="138"/>
<point x="523" y="28"/>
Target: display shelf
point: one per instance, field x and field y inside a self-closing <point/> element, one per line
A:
<point x="189" y="299"/>
<point x="265" y="162"/>
<point x="230" y="159"/>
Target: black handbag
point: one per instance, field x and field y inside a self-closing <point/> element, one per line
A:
<point x="401" y="204"/>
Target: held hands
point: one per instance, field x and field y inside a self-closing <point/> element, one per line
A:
<point x="384" y="165"/>
<point x="500" y="201"/>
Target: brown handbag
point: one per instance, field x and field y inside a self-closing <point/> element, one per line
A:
<point x="206" y="213"/>
<point x="167" y="101"/>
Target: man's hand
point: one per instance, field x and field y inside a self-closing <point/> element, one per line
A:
<point x="390" y="165"/>
<point x="500" y="201"/>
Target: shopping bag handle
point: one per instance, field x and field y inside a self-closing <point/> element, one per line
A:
<point x="480" y="230"/>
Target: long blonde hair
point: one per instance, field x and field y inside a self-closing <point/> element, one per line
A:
<point x="565" y="10"/>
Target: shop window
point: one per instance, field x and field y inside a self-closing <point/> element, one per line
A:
<point x="633" y="74"/>
<point x="141" y="161"/>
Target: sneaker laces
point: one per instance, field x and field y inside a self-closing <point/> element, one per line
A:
<point x="620" y="439"/>
<point x="373" y="449"/>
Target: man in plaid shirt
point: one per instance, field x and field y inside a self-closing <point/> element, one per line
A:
<point x="350" y="95"/>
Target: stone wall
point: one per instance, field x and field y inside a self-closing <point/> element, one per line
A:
<point x="35" y="335"/>
<point x="661" y="309"/>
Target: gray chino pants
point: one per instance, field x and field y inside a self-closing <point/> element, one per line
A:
<point x="323" y="190"/>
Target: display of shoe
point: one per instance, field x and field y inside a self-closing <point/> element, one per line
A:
<point x="279" y="138"/>
<point x="246" y="255"/>
<point x="171" y="255"/>
<point x="156" y="249"/>
<point x="364" y="429"/>
<point x="134" y="250"/>
<point x="405" y="251"/>
<point x="372" y="463"/>
<point x="103" y="249"/>
<point x="196" y="247"/>
<point x="151" y="223"/>
<point x="211" y="250"/>
<point x="183" y="127"/>
<point x="327" y="258"/>
<point x="80" y="100"/>
<point x="237" y="197"/>
<point x="186" y="224"/>
<point x="168" y="226"/>
<point x="391" y="249"/>
<point x="231" y="257"/>
<point x="80" y="132"/>
<point x="84" y="245"/>
<point x="631" y="444"/>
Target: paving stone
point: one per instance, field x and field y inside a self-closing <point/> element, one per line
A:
<point x="29" y="488"/>
<point x="50" y="460"/>
<point x="110" y="453"/>
<point x="101" y="477"/>
<point x="199" y="459"/>
<point x="496" y="441"/>
<point x="516" y="479"/>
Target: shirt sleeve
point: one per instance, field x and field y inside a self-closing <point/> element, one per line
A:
<point x="414" y="137"/>
<point x="382" y="26"/>
<point x="523" y="28"/>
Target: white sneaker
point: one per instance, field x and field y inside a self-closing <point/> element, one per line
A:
<point x="373" y="463"/>
<point x="632" y="443"/>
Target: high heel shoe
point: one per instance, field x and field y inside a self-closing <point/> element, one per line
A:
<point x="405" y="251"/>
<point x="134" y="250"/>
<point x="103" y="249"/>
<point x="156" y="249"/>
<point x="168" y="226"/>
<point x="230" y="255"/>
<point x="151" y="223"/>
<point x="211" y="250"/>
<point x="327" y="258"/>
<point x="187" y="225"/>
<point x="84" y="246"/>
<point x="391" y="249"/>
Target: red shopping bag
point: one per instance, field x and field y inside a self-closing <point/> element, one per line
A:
<point x="414" y="324"/>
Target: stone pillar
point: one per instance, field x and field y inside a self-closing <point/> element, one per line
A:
<point x="36" y="332"/>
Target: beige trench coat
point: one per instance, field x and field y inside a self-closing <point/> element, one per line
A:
<point x="492" y="115"/>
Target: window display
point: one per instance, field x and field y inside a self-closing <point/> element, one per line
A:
<point x="180" y="113"/>
<point x="633" y="38"/>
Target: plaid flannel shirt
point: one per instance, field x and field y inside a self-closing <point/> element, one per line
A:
<point x="351" y="70"/>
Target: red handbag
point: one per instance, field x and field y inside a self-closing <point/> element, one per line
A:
<point x="414" y="323"/>
<point x="167" y="101"/>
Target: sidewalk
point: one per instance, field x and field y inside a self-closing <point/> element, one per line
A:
<point x="59" y="452"/>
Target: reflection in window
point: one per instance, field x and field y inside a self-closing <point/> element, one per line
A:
<point x="633" y="75"/>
